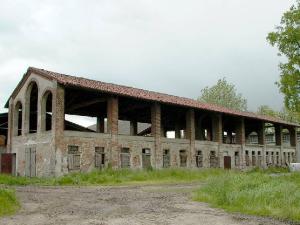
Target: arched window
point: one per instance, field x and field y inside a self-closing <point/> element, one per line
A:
<point x="32" y="107"/>
<point x="18" y="119"/>
<point x="46" y="120"/>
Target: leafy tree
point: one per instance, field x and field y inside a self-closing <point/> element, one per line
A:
<point x="223" y="94"/>
<point x="267" y="111"/>
<point x="284" y="114"/>
<point x="287" y="39"/>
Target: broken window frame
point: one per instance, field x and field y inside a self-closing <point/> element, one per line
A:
<point x="74" y="158"/>
<point x="99" y="157"/>
<point x="199" y="159"/>
<point x="183" y="158"/>
<point x="125" y="156"/>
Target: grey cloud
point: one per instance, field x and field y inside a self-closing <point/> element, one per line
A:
<point x="177" y="47"/>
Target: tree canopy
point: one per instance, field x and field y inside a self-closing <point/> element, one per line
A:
<point x="283" y="114"/>
<point x="286" y="38"/>
<point x="224" y="94"/>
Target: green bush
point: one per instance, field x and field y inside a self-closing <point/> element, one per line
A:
<point x="255" y="193"/>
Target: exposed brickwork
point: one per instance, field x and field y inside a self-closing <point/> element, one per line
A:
<point x="112" y="128"/>
<point x="190" y="134"/>
<point x="217" y="128"/>
<point x="68" y="80"/>
<point x="156" y="133"/>
<point x="52" y="146"/>
<point x="240" y="131"/>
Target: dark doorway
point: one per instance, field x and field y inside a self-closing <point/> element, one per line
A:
<point x="227" y="162"/>
<point x="8" y="162"/>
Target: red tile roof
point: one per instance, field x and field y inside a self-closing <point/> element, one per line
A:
<point x="67" y="80"/>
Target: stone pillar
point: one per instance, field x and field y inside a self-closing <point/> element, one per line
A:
<point x="217" y="136"/>
<point x="156" y="133"/>
<point x="133" y="128"/>
<point x="58" y="114"/>
<point x="112" y="129"/>
<point x="190" y="134"/>
<point x="100" y="124"/>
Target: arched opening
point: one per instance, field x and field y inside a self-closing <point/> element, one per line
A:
<point x="18" y="119"/>
<point x="46" y="120"/>
<point x="32" y="107"/>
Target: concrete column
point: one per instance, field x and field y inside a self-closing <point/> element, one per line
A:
<point x="112" y="128"/>
<point x="156" y="133"/>
<point x="133" y="128"/>
<point x="100" y="124"/>
<point x="190" y="134"/>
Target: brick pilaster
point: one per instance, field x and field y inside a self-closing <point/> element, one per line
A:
<point x="217" y="136"/>
<point x="240" y="132"/>
<point x="58" y="113"/>
<point x="190" y="134"/>
<point x="217" y="129"/>
<point x="112" y="128"/>
<point x="156" y="133"/>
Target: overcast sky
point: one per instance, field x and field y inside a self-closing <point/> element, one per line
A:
<point x="175" y="47"/>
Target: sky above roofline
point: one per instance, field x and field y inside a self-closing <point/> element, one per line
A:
<point x="172" y="47"/>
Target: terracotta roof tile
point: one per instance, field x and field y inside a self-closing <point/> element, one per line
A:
<point x="68" y="80"/>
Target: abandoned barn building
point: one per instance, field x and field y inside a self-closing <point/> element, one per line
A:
<point x="162" y="130"/>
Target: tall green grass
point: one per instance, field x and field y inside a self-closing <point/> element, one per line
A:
<point x="255" y="193"/>
<point x="8" y="202"/>
<point x="117" y="177"/>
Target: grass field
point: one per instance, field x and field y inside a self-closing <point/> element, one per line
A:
<point x="8" y="202"/>
<point x="254" y="193"/>
<point x="117" y="177"/>
<point x="273" y="192"/>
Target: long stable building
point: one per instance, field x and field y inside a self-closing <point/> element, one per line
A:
<point x="163" y="130"/>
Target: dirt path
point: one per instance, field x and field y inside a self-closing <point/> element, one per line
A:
<point x="159" y="204"/>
